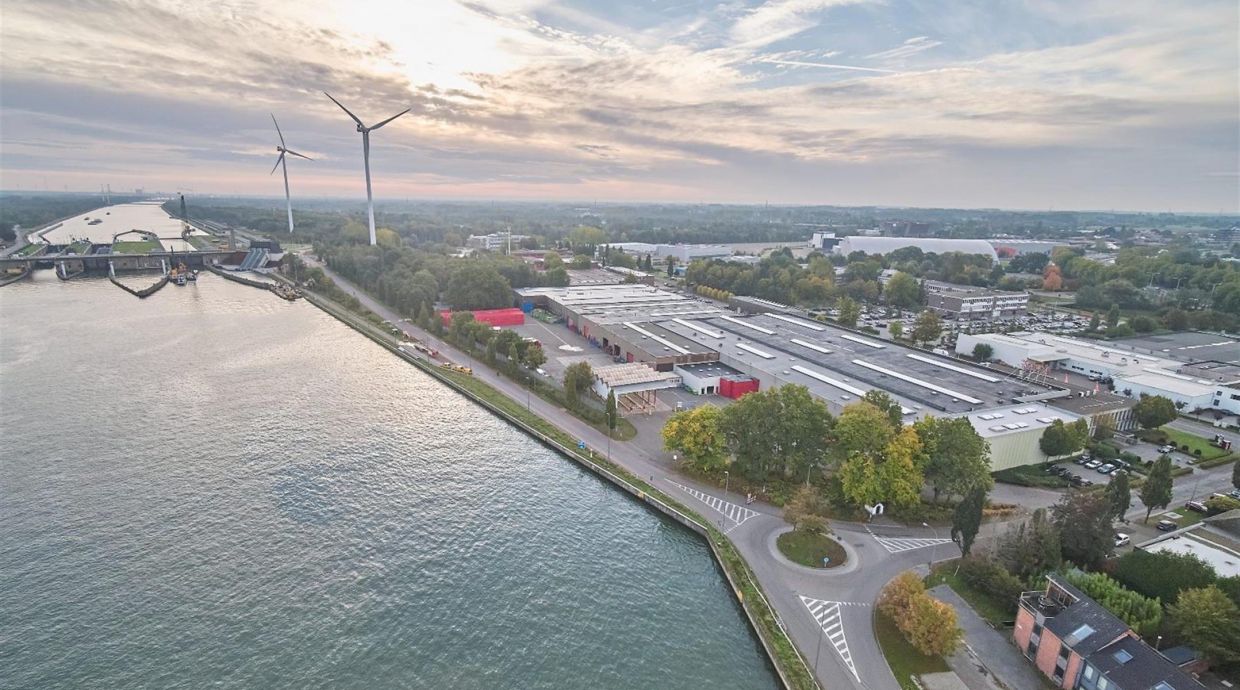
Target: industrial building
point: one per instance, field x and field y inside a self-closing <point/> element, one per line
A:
<point x="885" y="245"/>
<point x="635" y="386"/>
<point x="970" y="303"/>
<point x="715" y="378"/>
<point x="1014" y="431"/>
<point x="683" y="253"/>
<point x="494" y="242"/>
<point x="1196" y="386"/>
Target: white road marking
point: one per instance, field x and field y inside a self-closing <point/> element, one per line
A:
<point x="898" y="544"/>
<point x="828" y="616"/>
<point x="736" y="513"/>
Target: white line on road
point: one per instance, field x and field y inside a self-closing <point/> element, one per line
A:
<point x="828" y="616"/>
<point x="737" y="514"/>
<point x="898" y="544"/>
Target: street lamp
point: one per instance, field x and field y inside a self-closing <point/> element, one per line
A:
<point x="933" y="548"/>
<point x="822" y="632"/>
<point x="726" y="477"/>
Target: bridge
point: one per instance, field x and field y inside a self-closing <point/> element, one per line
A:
<point x="100" y="261"/>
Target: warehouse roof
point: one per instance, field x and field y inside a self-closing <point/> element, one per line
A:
<point x="1000" y="421"/>
<point x="885" y="245"/>
<point x="621" y="303"/>
<point x="1173" y="383"/>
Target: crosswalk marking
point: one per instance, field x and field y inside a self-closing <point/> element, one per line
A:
<point x="898" y="544"/>
<point x="737" y="514"/>
<point x="828" y="616"/>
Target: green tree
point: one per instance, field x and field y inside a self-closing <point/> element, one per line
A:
<point x="849" y="310"/>
<point x="982" y="352"/>
<point x="534" y="357"/>
<point x="582" y="262"/>
<point x="861" y="428"/>
<point x="884" y="402"/>
<point x="1032" y="548"/>
<point x="478" y="286"/>
<point x="611" y="412"/>
<point x="586" y="237"/>
<point x="1119" y="495"/>
<point x="1094" y="322"/>
<point x="967" y="519"/>
<point x="1175" y="319"/>
<point x="671" y="266"/>
<point x="1156" y="491"/>
<point x="896" y="329"/>
<point x="1061" y="439"/>
<point x="957" y="458"/>
<point x="697" y="437"/>
<point x="1162" y="574"/>
<point x="578" y="378"/>
<point x="1113" y="317"/>
<point x="1083" y="520"/>
<point x="902" y="291"/>
<point x="806" y="511"/>
<point x="1153" y="411"/>
<point x="1210" y="622"/>
<point x="927" y="328"/>
<point x="1140" y="613"/>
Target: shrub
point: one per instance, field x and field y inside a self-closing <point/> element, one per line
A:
<point x="1162" y="575"/>
<point x="1142" y="614"/>
<point x="987" y="575"/>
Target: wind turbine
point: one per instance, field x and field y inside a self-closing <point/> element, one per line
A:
<point x="282" y="163"/>
<point x="370" y="202"/>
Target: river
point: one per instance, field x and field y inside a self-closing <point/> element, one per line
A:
<point x="214" y="487"/>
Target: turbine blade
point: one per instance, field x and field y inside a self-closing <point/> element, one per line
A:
<point x="273" y="119"/>
<point x="346" y="110"/>
<point x="279" y="160"/>
<point x="291" y="152"/>
<point x="390" y="119"/>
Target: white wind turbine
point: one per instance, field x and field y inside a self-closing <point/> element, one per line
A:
<point x="282" y="163"/>
<point x="370" y="202"/>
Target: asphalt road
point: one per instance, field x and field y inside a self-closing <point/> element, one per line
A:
<point x="829" y="615"/>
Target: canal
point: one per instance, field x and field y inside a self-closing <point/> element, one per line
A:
<point x="215" y="487"/>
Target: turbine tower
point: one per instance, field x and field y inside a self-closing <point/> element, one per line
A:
<point x="365" y="131"/>
<point x="282" y="163"/>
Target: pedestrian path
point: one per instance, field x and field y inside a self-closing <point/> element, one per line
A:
<point x="898" y="544"/>
<point x="736" y="513"/>
<point x="829" y="616"/>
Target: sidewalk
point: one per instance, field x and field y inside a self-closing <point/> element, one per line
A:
<point x="1003" y="666"/>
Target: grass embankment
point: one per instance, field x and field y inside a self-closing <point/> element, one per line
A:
<point x="809" y="549"/>
<point x="1193" y="445"/>
<point x="786" y="657"/>
<point x="905" y="661"/>
<point x="137" y="247"/>
<point x="1031" y="475"/>
<point x="1187" y="517"/>
<point x="995" y="610"/>
<point x="30" y="249"/>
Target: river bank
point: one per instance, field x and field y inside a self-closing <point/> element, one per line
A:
<point x="787" y="660"/>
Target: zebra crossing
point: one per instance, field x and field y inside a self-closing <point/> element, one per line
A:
<point x="898" y="544"/>
<point x="829" y="617"/>
<point x="736" y="513"/>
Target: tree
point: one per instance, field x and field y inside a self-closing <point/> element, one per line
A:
<point x="900" y="473"/>
<point x="577" y="379"/>
<point x="535" y="357"/>
<point x="859" y="480"/>
<point x="967" y="519"/>
<point x="1061" y="439"/>
<point x="1052" y="278"/>
<point x="1119" y="495"/>
<point x="806" y="511"/>
<point x="1142" y="614"/>
<point x="1032" y="548"/>
<point x="581" y="262"/>
<point x="1163" y="574"/>
<point x="982" y="352"/>
<point x="1210" y="622"/>
<point x="478" y="286"/>
<point x="784" y="429"/>
<point x="957" y="458"/>
<point x="902" y="291"/>
<point x="931" y="627"/>
<point x="861" y="428"/>
<point x="1094" y="322"/>
<point x="880" y="399"/>
<point x="1156" y="492"/>
<point x="1175" y="319"/>
<point x="671" y="266"/>
<point x="1153" y="411"/>
<point x="586" y="237"/>
<point x="927" y="328"/>
<point x="1083" y="520"/>
<point x="697" y="436"/>
<point x="1113" y="316"/>
<point x="897" y="597"/>
<point x="849" y="310"/>
<point x="611" y="412"/>
<point x="1104" y="429"/>
<point x="896" y="329"/>
<point x="1235" y="474"/>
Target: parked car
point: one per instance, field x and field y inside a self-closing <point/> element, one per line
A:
<point x="1078" y="480"/>
<point x="1122" y="539"/>
<point x="1197" y="507"/>
<point x="1082" y="460"/>
<point x="1234" y="493"/>
<point x="1093" y="464"/>
<point x="1167" y="526"/>
<point x="1106" y="469"/>
<point x="1166" y="449"/>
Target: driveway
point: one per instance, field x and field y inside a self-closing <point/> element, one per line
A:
<point x="986" y="650"/>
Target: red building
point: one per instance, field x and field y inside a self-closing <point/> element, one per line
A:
<point x="1079" y="645"/>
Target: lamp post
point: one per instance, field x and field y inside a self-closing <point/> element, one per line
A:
<point x="822" y="632"/>
<point x="726" y="476"/>
<point x="933" y="549"/>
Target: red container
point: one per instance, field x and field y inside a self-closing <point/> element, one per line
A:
<point x="491" y="317"/>
<point x="735" y="388"/>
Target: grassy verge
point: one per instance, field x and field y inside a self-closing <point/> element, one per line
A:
<point x="905" y="661"/>
<point x="994" y="610"/>
<point x="1197" y="446"/>
<point x="30" y="249"/>
<point x="1031" y="475"/>
<point x="140" y="247"/>
<point x="784" y="653"/>
<point x="1187" y="517"/>
<point x="1207" y="464"/>
<point x="809" y="549"/>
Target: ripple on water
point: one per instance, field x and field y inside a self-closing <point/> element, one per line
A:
<point x="236" y="491"/>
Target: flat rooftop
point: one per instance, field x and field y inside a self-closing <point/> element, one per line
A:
<point x="840" y="366"/>
<point x="707" y="369"/>
<point x="1048" y="347"/>
<point x="605" y="304"/>
<point x="1225" y="561"/>
<point x="592" y="276"/>
<point x="1088" y="406"/>
<point x="657" y="340"/>
<point x="1186" y="346"/>
<point x="1009" y="419"/>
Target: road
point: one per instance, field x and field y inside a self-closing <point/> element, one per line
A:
<point x="827" y="614"/>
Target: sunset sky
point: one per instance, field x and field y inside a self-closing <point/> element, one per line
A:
<point x="1112" y="104"/>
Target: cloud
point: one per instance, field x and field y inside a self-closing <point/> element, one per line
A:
<point x="776" y="20"/>
<point x="910" y="47"/>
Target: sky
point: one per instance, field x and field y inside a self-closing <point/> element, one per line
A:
<point x="1033" y="104"/>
